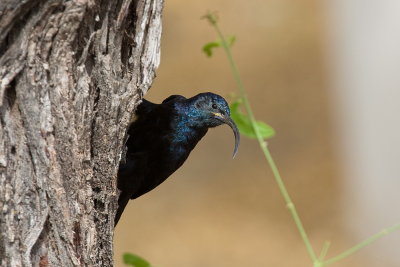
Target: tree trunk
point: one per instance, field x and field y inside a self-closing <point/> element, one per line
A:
<point x="71" y="74"/>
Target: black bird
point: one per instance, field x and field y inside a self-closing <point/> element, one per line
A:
<point x="161" y="138"/>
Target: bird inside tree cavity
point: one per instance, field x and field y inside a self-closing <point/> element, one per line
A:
<point x="161" y="138"/>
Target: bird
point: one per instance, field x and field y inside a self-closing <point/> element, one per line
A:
<point x="161" y="137"/>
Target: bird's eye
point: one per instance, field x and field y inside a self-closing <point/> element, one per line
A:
<point x="214" y="106"/>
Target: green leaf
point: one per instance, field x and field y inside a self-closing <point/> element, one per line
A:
<point x="243" y="122"/>
<point x="208" y="47"/>
<point x="135" y="260"/>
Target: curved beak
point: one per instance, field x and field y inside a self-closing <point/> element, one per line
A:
<point x="231" y="123"/>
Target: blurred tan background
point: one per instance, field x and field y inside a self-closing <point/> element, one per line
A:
<point x="219" y="211"/>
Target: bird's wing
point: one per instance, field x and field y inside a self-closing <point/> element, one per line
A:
<point x="147" y="148"/>
<point x="147" y="109"/>
<point x="174" y="98"/>
<point x="144" y="107"/>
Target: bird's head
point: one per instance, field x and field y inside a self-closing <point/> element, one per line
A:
<point x="211" y="110"/>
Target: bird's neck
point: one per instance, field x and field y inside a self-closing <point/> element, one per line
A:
<point x="187" y="133"/>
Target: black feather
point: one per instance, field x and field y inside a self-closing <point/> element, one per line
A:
<point x="161" y="138"/>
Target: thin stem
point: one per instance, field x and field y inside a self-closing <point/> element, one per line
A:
<point x="263" y="144"/>
<point x="364" y="243"/>
<point x="318" y="262"/>
<point x="324" y="250"/>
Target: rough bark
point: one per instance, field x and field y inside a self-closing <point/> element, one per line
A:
<point x="71" y="74"/>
